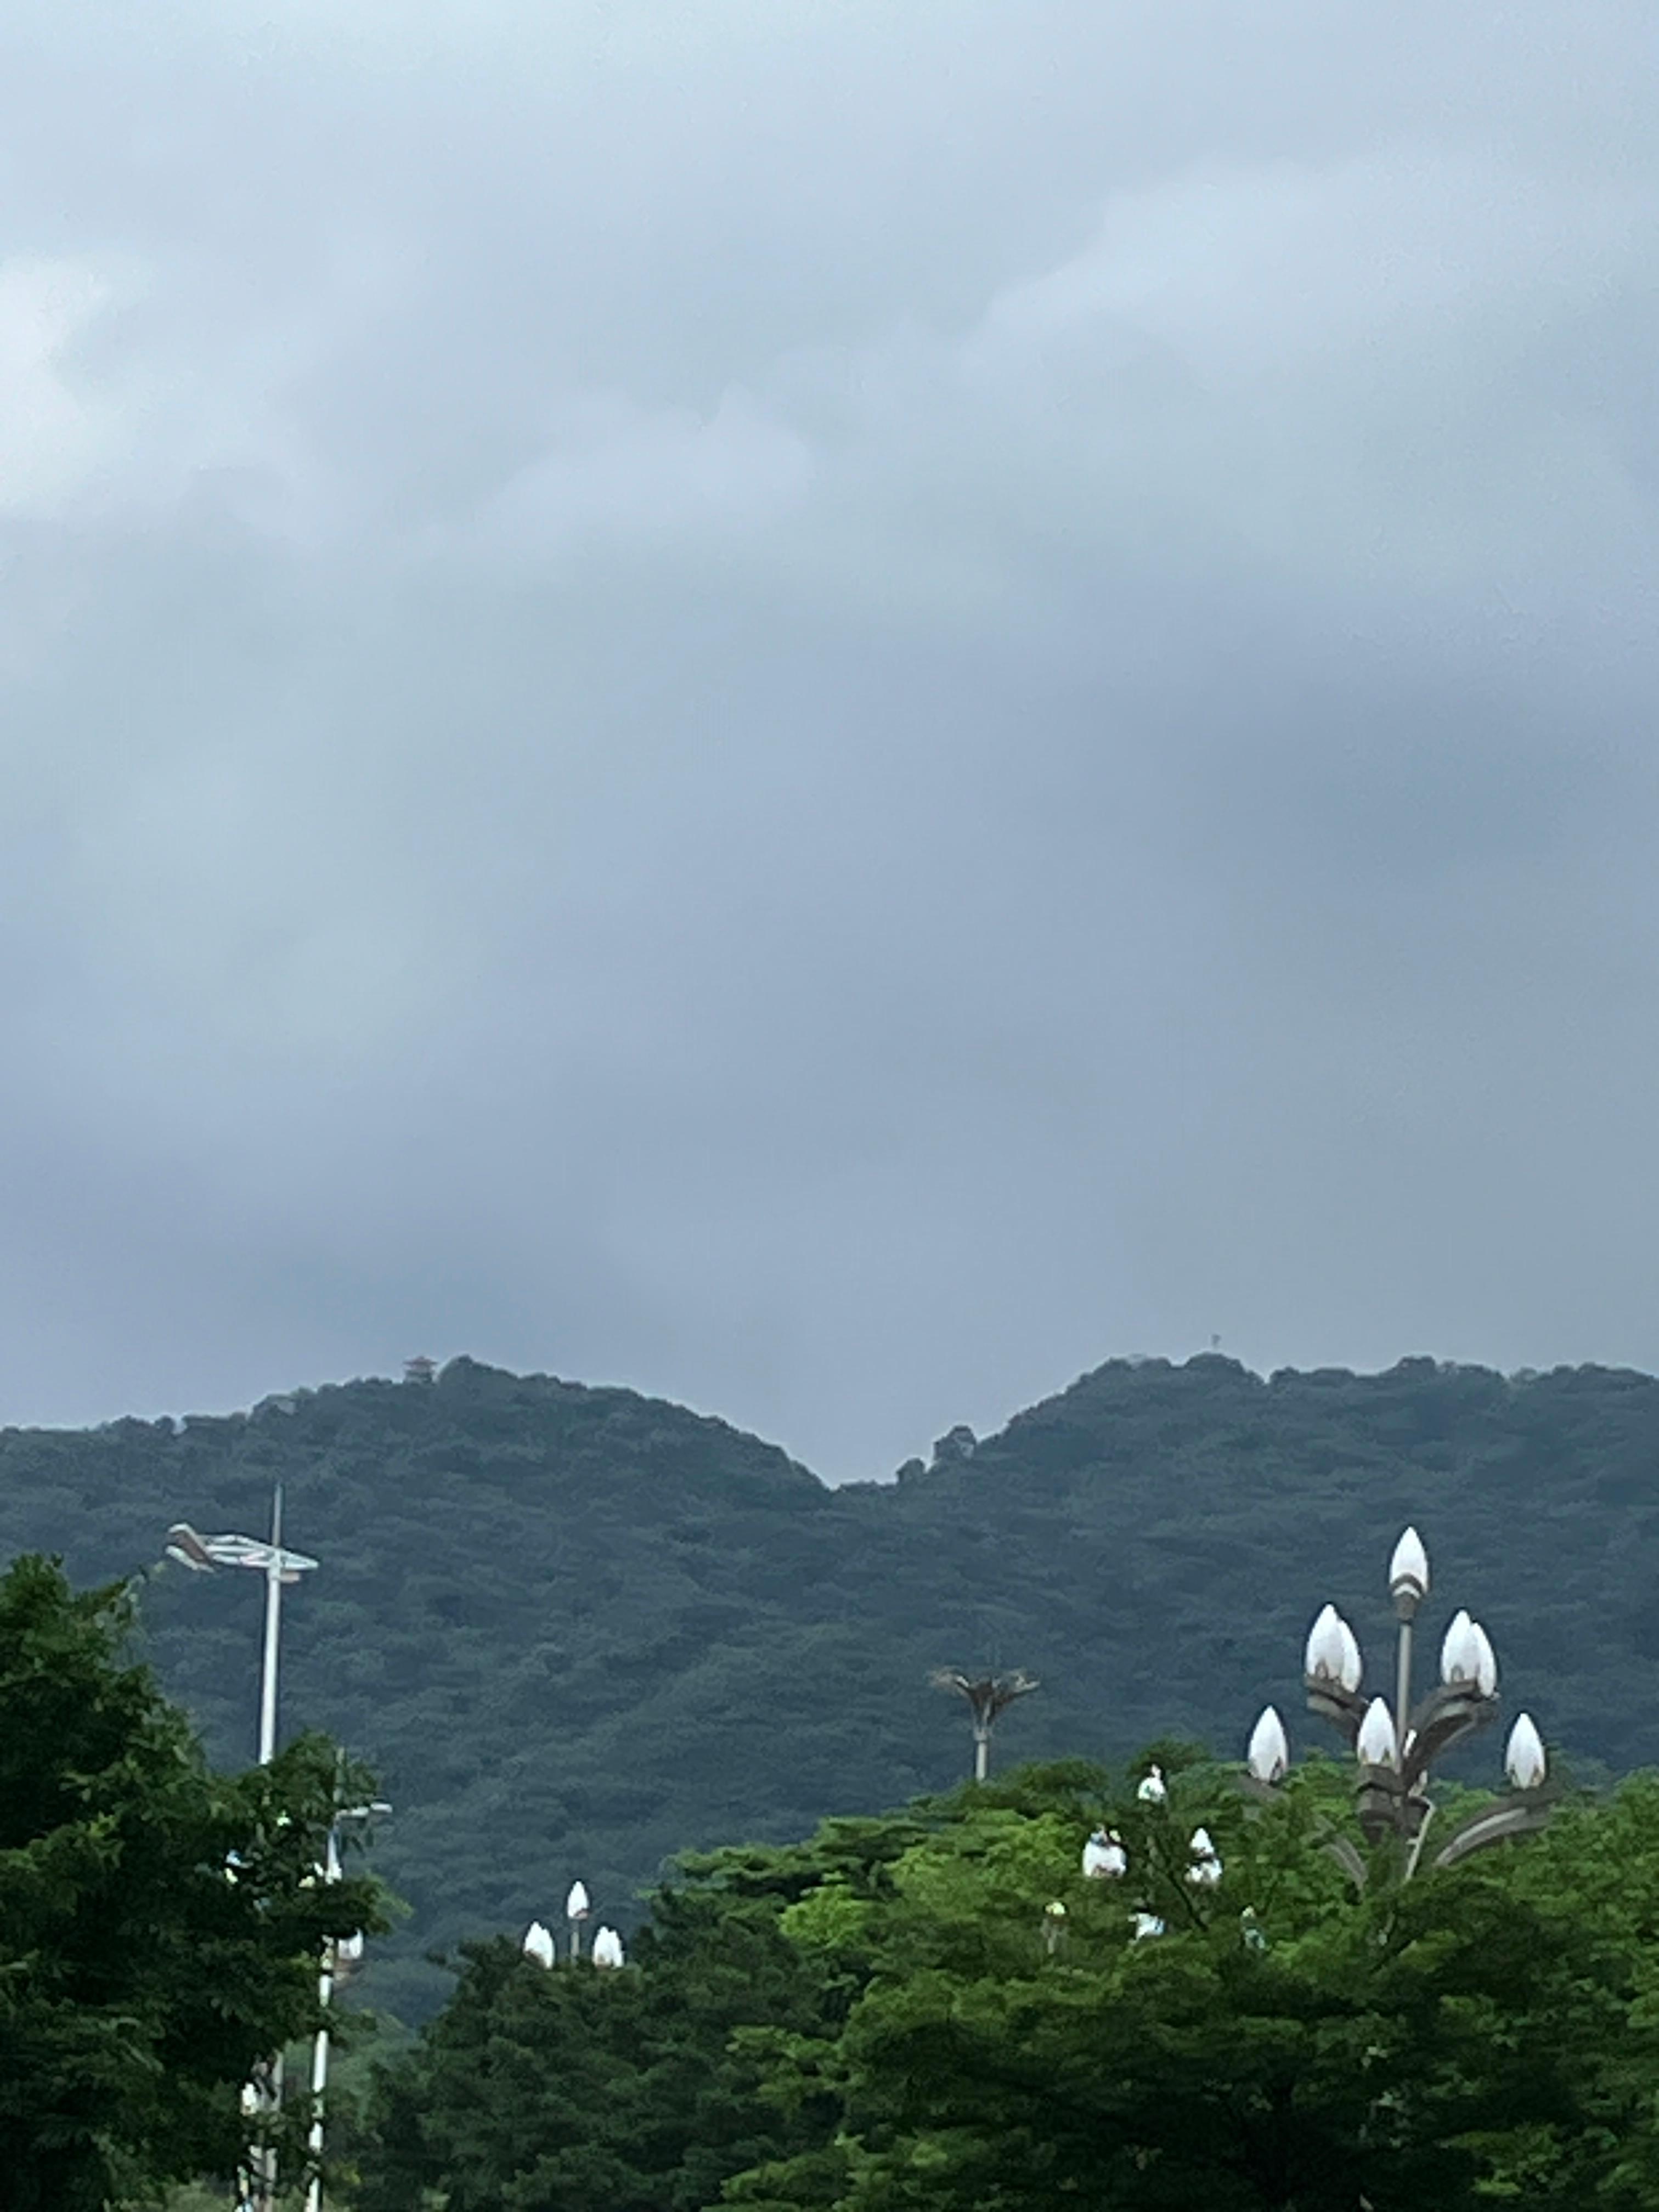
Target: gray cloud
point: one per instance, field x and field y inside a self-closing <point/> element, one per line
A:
<point x="827" y="708"/>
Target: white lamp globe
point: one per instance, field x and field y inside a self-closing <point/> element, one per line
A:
<point x="1408" y="1570"/>
<point x="1270" y="1753"/>
<point x="1378" y="1745"/>
<point x="1524" y="1761"/>
<point x="1486" y="1663"/>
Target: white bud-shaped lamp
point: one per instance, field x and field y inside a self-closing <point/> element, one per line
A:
<point x="538" y="1944"/>
<point x="1408" y="1570"/>
<point x="1377" y="1745"/>
<point x="1205" y="1871"/>
<point x="607" y="1950"/>
<point x="1269" y="1753"/>
<point x="577" y="1906"/>
<point x="1524" y="1761"/>
<point x="1322" y="1660"/>
<point x="1353" y="1667"/>
<point x="1460" y="1654"/>
<point x="1486" y="1661"/>
<point x="1104" y="1859"/>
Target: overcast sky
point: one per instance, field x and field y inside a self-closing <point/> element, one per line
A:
<point x="826" y="705"/>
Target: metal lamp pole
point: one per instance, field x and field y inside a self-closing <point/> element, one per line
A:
<point x="336" y="1956"/>
<point x="279" y="1568"/>
<point x="988" y="1697"/>
<point x="1397" y="1750"/>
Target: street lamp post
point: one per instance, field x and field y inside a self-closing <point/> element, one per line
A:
<point x="336" y="1957"/>
<point x="280" y="1568"/>
<point x="988" y="1697"/>
<point x="1397" y="1748"/>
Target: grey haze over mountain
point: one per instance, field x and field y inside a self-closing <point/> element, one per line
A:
<point x="826" y="705"/>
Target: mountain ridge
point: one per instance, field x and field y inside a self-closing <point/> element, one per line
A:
<point x="578" y="1630"/>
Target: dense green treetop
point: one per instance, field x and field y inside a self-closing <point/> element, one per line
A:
<point x="577" y="1631"/>
<point x="940" y="2013"/>
<point x="160" y="1924"/>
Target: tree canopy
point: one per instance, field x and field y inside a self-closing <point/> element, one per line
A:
<point x="939" y="2012"/>
<point x="160" y="1924"/>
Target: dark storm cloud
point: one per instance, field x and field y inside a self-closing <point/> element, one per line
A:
<point x="826" y="707"/>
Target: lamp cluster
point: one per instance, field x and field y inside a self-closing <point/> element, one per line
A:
<point x="1105" y="1859"/>
<point x="605" y="1950"/>
<point x="1396" y="1745"/>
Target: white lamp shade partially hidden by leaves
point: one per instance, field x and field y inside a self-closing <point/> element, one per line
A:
<point x="1104" y="1859"/>
<point x="1204" y="1872"/>
<point x="538" y="1944"/>
<point x="1524" y="1761"/>
<point x="607" y="1950"/>
<point x="1269" y="1753"/>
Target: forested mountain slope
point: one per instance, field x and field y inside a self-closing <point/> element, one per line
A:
<point x="577" y="1630"/>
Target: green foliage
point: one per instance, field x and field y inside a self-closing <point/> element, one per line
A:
<point x="539" y="2091"/>
<point x="1424" y="2045"/>
<point x="160" y="1925"/>
<point x="894" y="2018"/>
<point x="576" y="1631"/>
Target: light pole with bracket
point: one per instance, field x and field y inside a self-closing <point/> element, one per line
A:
<point x="1398" y="1747"/>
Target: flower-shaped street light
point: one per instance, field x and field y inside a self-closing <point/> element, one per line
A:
<point x="604" y="1950"/>
<point x="987" y="1697"/>
<point x="281" y="1568"/>
<point x="340" y="1956"/>
<point x="1398" y="1746"/>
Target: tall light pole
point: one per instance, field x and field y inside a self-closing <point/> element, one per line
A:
<point x="279" y="1568"/>
<point x="1397" y="1748"/>
<point x="337" y="1956"/>
<point x="988" y="1697"/>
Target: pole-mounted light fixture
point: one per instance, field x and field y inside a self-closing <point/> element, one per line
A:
<point x="987" y="1697"/>
<point x="1397" y="1747"/>
<point x="280" y="1568"/>
<point x="577" y="1908"/>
